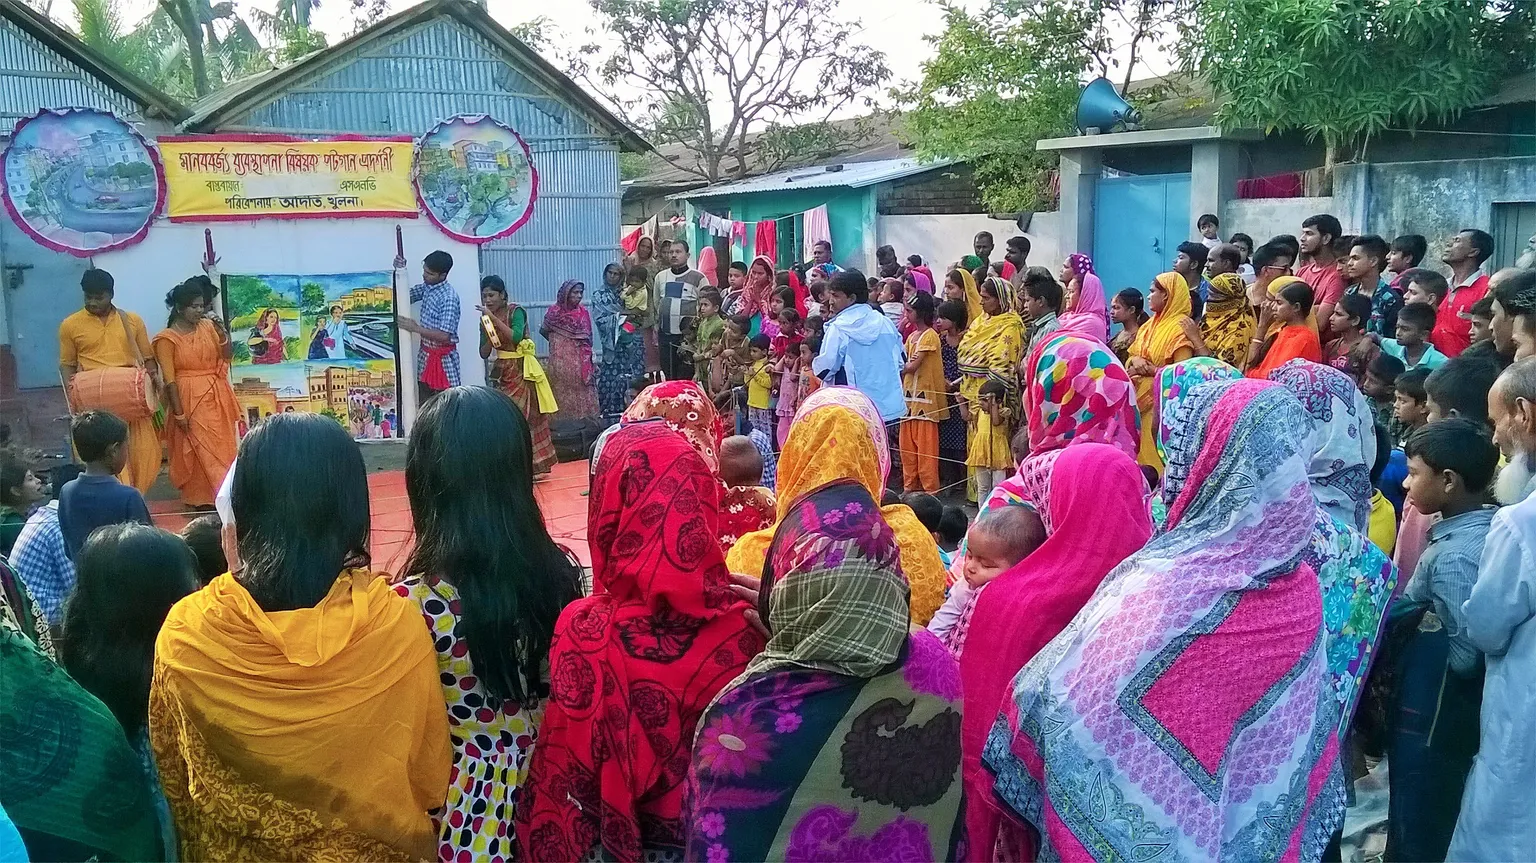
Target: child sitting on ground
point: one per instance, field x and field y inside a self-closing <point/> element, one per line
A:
<point x="746" y="504"/>
<point x="202" y="536"/>
<point x="96" y="498"/>
<point x="952" y="529"/>
<point x="930" y="511"/>
<point x="999" y="539"/>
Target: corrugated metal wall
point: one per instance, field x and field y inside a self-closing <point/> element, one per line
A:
<point x="32" y="76"/>
<point x="443" y="68"/>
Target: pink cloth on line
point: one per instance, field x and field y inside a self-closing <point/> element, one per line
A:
<point x="817" y="229"/>
<point x="1089" y="485"/>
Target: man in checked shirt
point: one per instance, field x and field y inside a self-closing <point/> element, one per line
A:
<point x="437" y="359"/>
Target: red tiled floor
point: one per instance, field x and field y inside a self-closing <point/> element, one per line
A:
<point x="562" y="497"/>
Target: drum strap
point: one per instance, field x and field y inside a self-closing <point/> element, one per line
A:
<point x="138" y="358"/>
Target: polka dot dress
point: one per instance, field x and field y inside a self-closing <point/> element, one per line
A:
<point x="491" y="742"/>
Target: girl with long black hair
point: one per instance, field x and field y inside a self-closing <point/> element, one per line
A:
<point x="490" y="583"/>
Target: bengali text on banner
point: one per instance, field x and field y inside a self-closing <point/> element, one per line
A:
<point x="216" y="178"/>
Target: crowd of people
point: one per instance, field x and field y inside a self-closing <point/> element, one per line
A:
<point x="1276" y="528"/>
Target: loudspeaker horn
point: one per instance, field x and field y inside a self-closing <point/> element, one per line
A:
<point x="1100" y="107"/>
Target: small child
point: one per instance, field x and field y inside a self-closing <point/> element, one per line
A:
<point x="1480" y="316"/>
<point x="997" y="541"/>
<point x="1378" y="385"/>
<point x="891" y="303"/>
<point x="990" y="452"/>
<point x="809" y="383"/>
<point x="95" y="498"/>
<point x="740" y="462"/>
<point x="202" y="535"/>
<point x="1415" y="321"/>
<point x="815" y="325"/>
<point x="1410" y="403"/>
<point x="726" y="366"/>
<point x="759" y="377"/>
<point x="708" y="337"/>
<point x="922" y="379"/>
<point x="785" y="354"/>
<point x="1450" y="464"/>
<point x="952" y="529"/>
<point x="930" y="511"/>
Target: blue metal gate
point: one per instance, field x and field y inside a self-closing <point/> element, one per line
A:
<point x="1138" y="223"/>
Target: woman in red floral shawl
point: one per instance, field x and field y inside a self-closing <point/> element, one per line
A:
<point x="689" y="412"/>
<point x="634" y="666"/>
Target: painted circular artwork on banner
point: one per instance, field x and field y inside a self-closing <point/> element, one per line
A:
<point x="475" y="178"/>
<point x="82" y="181"/>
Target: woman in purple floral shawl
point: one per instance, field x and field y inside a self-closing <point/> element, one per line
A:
<point x="841" y="740"/>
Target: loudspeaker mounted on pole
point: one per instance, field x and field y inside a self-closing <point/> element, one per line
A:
<point x="1100" y="109"/>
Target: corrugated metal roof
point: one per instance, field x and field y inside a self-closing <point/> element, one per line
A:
<point x="322" y="77"/>
<point x="854" y="175"/>
<point x="77" y="75"/>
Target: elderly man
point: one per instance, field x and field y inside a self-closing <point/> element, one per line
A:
<point x="1497" y="820"/>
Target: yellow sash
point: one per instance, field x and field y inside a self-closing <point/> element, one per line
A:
<point x="533" y="373"/>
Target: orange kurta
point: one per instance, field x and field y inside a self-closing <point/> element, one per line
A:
<point x="200" y="454"/>
<point x="88" y="342"/>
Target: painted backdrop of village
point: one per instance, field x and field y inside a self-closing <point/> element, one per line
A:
<point x="322" y="343"/>
<point x="475" y="178"/>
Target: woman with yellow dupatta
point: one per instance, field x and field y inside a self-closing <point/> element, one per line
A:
<point x="295" y="711"/>
<point x="1228" y="327"/>
<point x="1161" y="341"/>
<point x="193" y="353"/>
<point x="838" y="435"/>
<point x="991" y="348"/>
<point x="515" y="370"/>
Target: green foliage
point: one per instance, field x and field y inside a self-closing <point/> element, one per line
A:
<point x="1009" y="74"/>
<point x="711" y="74"/>
<point x="1347" y="69"/>
<point x="312" y="297"/>
<point x="247" y="296"/>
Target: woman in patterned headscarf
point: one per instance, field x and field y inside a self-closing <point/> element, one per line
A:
<point x="838" y="435"/>
<point x="1119" y="710"/>
<point x="1228" y="325"/>
<point x="568" y="327"/>
<point x="634" y="665"/>
<point x="1083" y="309"/>
<point x="841" y="740"/>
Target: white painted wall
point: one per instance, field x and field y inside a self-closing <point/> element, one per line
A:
<point x="944" y="239"/>
<point x="1262" y="218"/>
<point x="172" y="251"/>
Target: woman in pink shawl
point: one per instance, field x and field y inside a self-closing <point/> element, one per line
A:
<point x="1092" y="500"/>
<point x="753" y="298"/>
<point x="1083" y="309"/>
<point x="568" y="328"/>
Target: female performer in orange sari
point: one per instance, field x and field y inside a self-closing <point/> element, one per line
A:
<point x="193" y="353"/>
<point x="512" y="359"/>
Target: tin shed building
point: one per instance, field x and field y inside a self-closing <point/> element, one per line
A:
<point x="445" y="57"/>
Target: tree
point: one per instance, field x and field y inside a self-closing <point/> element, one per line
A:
<point x="312" y="297"/>
<point x="1346" y="70"/>
<point x="709" y="74"/>
<point x="1009" y="74"/>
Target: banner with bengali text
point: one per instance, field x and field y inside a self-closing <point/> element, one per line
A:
<point x="236" y="177"/>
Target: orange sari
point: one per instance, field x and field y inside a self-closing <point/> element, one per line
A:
<point x="1297" y="341"/>
<point x="201" y="453"/>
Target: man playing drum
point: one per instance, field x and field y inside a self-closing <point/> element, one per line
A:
<point x="97" y="337"/>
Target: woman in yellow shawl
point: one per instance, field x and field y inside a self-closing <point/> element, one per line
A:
<point x="295" y="711"/>
<point x="1161" y="341"/>
<point x="991" y="348"/>
<point x="838" y="435"/>
<point x="1228" y="327"/>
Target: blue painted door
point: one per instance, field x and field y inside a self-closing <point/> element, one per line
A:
<point x="1138" y="223"/>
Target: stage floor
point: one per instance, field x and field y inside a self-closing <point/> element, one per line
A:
<point x="562" y="497"/>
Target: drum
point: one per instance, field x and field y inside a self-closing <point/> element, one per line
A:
<point x="128" y="392"/>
